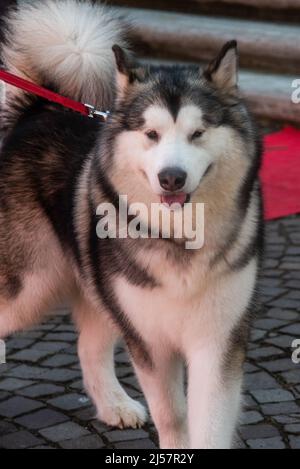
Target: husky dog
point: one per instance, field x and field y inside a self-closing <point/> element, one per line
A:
<point x="175" y="134"/>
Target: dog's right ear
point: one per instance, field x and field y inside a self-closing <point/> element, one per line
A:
<point x="127" y="69"/>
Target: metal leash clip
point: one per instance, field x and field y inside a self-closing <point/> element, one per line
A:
<point x="93" y="112"/>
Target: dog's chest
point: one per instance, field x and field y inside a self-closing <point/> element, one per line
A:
<point x="161" y="311"/>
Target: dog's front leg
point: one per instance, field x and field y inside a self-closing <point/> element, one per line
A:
<point x="214" y="396"/>
<point x="97" y="338"/>
<point x="163" y="386"/>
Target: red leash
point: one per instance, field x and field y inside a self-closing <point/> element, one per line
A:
<point x="25" y="85"/>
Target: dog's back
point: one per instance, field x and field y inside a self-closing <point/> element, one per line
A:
<point x="66" y="46"/>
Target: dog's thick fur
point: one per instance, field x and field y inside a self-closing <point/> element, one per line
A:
<point x="173" y="306"/>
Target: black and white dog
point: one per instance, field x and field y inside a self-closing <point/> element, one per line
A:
<point x="175" y="135"/>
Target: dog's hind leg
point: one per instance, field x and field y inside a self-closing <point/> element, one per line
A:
<point x="97" y="339"/>
<point x="25" y="304"/>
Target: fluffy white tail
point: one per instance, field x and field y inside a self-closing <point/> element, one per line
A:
<point x="66" y="45"/>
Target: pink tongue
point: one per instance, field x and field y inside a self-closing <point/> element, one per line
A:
<point x="174" y="199"/>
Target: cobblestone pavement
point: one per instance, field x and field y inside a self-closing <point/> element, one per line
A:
<point x="43" y="404"/>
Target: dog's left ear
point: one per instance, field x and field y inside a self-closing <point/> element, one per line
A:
<point x="127" y="69"/>
<point x="223" y="70"/>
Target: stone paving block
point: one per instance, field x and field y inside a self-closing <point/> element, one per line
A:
<point x="283" y="314"/>
<point x="260" y="380"/>
<point x="19" y="343"/>
<point x="13" y="384"/>
<point x="18" y="405"/>
<point x="59" y="360"/>
<point x="293" y="251"/>
<point x="249" y="402"/>
<point x="257" y="334"/>
<point x="6" y="427"/>
<point x="293" y="428"/>
<point x="273" y="366"/>
<point x="239" y="444"/>
<point x="133" y="393"/>
<point x="267" y="443"/>
<point x="280" y="408"/>
<point x="125" y="435"/>
<point x="265" y="352"/>
<point x="65" y="328"/>
<point x="85" y="442"/>
<point x="60" y="375"/>
<point x="283" y="341"/>
<point x="268" y="324"/>
<point x="250" y="368"/>
<point x="64" y="431"/>
<point x="72" y="350"/>
<point x="272" y="395"/>
<point x="41" y="419"/>
<point x="4" y="395"/>
<point x="31" y="334"/>
<point x="43" y="327"/>
<point x="122" y="357"/>
<point x="285" y="303"/>
<point x="293" y="284"/>
<point x="75" y="366"/>
<point x="137" y="444"/>
<point x="250" y="432"/>
<point x="19" y="440"/>
<point x="293" y="295"/>
<point x="132" y="381"/>
<point x="100" y="427"/>
<point x="294" y="442"/>
<point x="294" y="330"/>
<point x="273" y="273"/>
<point x="123" y="371"/>
<point x="61" y="336"/>
<point x="78" y="385"/>
<point x="251" y="417"/>
<point x="286" y="419"/>
<point x="27" y="372"/>
<point x="70" y="401"/>
<point x="270" y="264"/>
<point x="52" y="347"/>
<point x="292" y="276"/>
<point x="291" y="377"/>
<point x="42" y="447"/>
<point x="41" y="390"/>
<point x="29" y="355"/>
<point x="86" y="414"/>
<point x="5" y="368"/>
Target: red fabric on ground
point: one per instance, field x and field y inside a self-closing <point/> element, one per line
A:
<point x="280" y="174"/>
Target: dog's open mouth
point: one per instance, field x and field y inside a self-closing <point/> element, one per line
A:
<point x="171" y="199"/>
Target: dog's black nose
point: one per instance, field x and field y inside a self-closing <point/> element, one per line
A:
<point x="172" y="179"/>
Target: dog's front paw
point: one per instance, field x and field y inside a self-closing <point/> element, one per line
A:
<point x="125" y="413"/>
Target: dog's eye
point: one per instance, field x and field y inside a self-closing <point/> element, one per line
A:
<point x="153" y="135"/>
<point x="196" y="135"/>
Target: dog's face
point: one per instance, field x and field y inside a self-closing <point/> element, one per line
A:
<point x="169" y="150"/>
<point x="176" y="127"/>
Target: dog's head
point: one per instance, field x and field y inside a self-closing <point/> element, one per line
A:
<point x="179" y="130"/>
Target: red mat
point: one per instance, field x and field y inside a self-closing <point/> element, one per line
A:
<point x="280" y="173"/>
